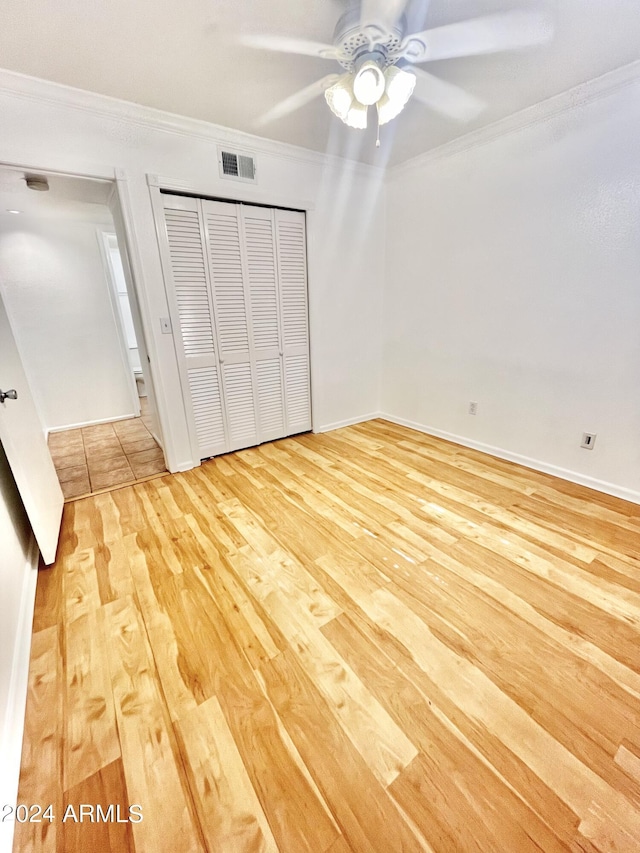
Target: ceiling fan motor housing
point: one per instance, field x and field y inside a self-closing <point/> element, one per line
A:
<point x="353" y="41"/>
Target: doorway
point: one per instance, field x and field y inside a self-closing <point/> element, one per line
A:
<point x="73" y="308"/>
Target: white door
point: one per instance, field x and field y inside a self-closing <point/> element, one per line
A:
<point x="22" y="437"/>
<point x="292" y="279"/>
<point x="231" y="315"/>
<point x="193" y="326"/>
<point x="237" y="291"/>
<point x="266" y="336"/>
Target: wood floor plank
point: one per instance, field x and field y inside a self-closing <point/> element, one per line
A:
<point x="587" y="713"/>
<point x="150" y="763"/>
<point x="628" y="757"/>
<point x="41" y="777"/>
<point x="231" y="815"/>
<point x="385" y="747"/>
<point x="178" y="695"/>
<point x="437" y="725"/>
<point x="367" y="817"/>
<point x="278" y="572"/>
<point x="91" y="740"/>
<point x="81" y="588"/>
<point x="466" y="685"/>
<point x="576" y="784"/>
<point x="108" y="829"/>
<point x="364" y="640"/>
<point x="581" y="617"/>
<point x="298" y="820"/>
<point x="340" y="845"/>
<point x="250" y="630"/>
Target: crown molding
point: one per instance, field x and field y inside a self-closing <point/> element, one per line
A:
<point x="565" y="102"/>
<point x="24" y="87"/>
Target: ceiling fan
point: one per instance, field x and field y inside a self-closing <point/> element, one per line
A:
<point x="379" y="58"/>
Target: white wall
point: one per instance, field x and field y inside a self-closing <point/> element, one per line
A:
<point x="54" y="127"/>
<point x="513" y="280"/>
<point x="55" y="288"/>
<point x="17" y="583"/>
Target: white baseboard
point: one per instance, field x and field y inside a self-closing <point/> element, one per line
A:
<point x="536" y="464"/>
<point x="349" y="422"/>
<point x="13" y="725"/>
<point x="91" y="423"/>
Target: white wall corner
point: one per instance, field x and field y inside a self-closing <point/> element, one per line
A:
<point x="359" y="419"/>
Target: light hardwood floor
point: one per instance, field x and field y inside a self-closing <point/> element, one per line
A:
<point x="367" y="640"/>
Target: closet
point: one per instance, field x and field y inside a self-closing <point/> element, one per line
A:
<point x="237" y="288"/>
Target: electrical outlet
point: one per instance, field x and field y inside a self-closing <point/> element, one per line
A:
<point x="473" y="408"/>
<point x="588" y="440"/>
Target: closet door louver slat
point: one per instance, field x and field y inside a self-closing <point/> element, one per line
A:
<point x="190" y="282"/>
<point x="292" y="274"/>
<point x="271" y="398"/>
<point x="196" y="330"/>
<point x="262" y="279"/>
<point x="207" y="407"/>
<point x="226" y="254"/>
<point x="241" y="416"/>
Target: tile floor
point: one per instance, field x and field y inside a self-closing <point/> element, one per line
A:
<point x="103" y="456"/>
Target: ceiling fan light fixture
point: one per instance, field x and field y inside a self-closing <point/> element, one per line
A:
<point x="368" y="83"/>
<point x="339" y="97"/>
<point x="357" y="116"/>
<point x="399" y="88"/>
<point x="344" y="105"/>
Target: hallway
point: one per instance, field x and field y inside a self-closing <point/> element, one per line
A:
<point x="103" y="456"/>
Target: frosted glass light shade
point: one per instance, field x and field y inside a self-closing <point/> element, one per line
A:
<point x="339" y="97"/>
<point x="357" y="116"/>
<point x="399" y="88"/>
<point x="344" y="105"/>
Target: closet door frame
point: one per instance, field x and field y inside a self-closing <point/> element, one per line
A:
<point x="158" y="185"/>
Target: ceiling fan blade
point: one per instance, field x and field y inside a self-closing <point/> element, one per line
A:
<point x="489" y="34"/>
<point x="445" y="98"/>
<point x="385" y="13"/>
<point x="284" y="44"/>
<point x="297" y="100"/>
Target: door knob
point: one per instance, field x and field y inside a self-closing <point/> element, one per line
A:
<point x="8" y="395"/>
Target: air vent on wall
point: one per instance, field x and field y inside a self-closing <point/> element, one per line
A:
<point x="241" y="167"/>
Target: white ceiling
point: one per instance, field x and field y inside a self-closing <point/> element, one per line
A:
<point x="67" y="198"/>
<point x="182" y="56"/>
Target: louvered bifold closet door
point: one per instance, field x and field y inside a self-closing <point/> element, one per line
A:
<point x="266" y="338"/>
<point x="227" y="268"/>
<point x="193" y="309"/>
<point x="292" y="277"/>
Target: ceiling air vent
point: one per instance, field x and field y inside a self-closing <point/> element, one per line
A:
<point x="241" y="167"/>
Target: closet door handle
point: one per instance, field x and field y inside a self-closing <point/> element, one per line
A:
<point x="8" y="395"/>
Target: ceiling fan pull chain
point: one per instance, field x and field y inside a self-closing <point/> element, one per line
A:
<point x="378" y="126"/>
